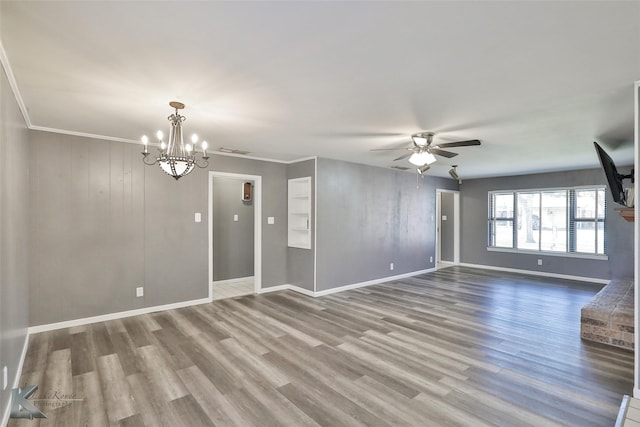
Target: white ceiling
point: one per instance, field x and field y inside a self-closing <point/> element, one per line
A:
<point x="536" y="82"/>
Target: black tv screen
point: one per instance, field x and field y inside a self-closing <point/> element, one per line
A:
<point x="613" y="177"/>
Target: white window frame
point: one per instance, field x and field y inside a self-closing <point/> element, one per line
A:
<point x="570" y="209"/>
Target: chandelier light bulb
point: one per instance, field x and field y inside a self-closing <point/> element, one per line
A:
<point x="163" y="146"/>
<point x="194" y="138"/>
<point x="204" y="147"/>
<point x="188" y="147"/>
<point x="160" y="135"/>
<point x="145" y="139"/>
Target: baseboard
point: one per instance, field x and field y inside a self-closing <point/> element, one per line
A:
<point x="16" y="381"/>
<point x="342" y="288"/>
<point x="287" y="288"/>
<point x="371" y="282"/>
<point x="636" y="392"/>
<point x="114" y="316"/>
<point x="230" y="281"/>
<point x="537" y="273"/>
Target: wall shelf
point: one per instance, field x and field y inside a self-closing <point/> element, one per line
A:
<point x="299" y="213"/>
<point x="628" y="214"/>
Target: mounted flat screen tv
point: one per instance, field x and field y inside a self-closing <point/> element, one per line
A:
<point x="613" y="177"/>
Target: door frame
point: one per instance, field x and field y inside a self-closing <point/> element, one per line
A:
<point x="257" y="226"/>
<point x="456" y="224"/>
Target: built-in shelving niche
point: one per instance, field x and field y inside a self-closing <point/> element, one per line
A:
<point x="299" y="213"/>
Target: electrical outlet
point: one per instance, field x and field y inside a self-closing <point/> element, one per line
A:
<point x="5" y="378"/>
<point x="140" y="291"/>
<point x="391" y="266"/>
<point x="430" y="259"/>
<point x="539" y="262"/>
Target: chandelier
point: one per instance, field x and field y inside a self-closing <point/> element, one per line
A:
<point x="175" y="157"/>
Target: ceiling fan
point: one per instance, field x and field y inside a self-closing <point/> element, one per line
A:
<point x="423" y="151"/>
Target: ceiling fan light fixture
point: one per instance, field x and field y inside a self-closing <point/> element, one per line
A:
<point x="419" y="140"/>
<point x="422" y="158"/>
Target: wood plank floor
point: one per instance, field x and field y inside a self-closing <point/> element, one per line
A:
<point x="460" y="346"/>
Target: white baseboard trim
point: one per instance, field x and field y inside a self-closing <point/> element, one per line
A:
<point x="287" y="287"/>
<point x="114" y="316"/>
<point x="537" y="273"/>
<point x="342" y="288"/>
<point x="371" y="282"/>
<point x="230" y="281"/>
<point x="274" y="289"/>
<point x="16" y="380"/>
<point x="636" y="392"/>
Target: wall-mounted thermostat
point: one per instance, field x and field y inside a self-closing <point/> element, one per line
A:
<point x="247" y="191"/>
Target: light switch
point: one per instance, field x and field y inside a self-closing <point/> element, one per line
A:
<point x="271" y="220"/>
<point x="444" y="217"/>
<point x="235" y="217"/>
<point x="198" y="217"/>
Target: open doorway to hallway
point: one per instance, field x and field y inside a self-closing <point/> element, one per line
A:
<point x="447" y="228"/>
<point x="234" y="235"/>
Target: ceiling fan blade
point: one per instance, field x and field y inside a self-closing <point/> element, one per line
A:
<point x="391" y="149"/>
<point x="447" y="154"/>
<point x="404" y="156"/>
<point x="458" y="144"/>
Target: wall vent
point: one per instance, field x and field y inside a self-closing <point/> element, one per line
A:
<point x="232" y="150"/>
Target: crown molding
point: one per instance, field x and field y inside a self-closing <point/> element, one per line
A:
<point x="83" y="134"/>
<point x="4" y="59"/>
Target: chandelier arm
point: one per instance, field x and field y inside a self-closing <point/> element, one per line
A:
<point x="146" y="161"/>
<point x="202" y="162"/>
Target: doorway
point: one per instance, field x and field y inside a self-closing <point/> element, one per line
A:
<point x="235" y="230"/>
<point x="447" y="228"/>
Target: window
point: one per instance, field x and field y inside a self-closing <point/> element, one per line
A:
<point x="568" y="220"/>
<point x="501" y="220"/>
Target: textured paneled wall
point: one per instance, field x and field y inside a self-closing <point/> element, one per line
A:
<point x="369" y="217"/>
<point x="87" y="223"/>
<point x="473" y="201"/>
<point x="233" y="241"/>
<point x="104" y="224"/>
<point x="14" y="235"/>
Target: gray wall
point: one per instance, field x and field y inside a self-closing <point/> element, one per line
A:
<point x="274" y="203"/>
<point x="14" y="235"/>
<point x="233" y="241"/>
<point x="474" y="228"/>
<point x="300" y="262"/>
<point x="103" y="224"/>
<point x="447" y="244"/>
<point x="369" y="217"/>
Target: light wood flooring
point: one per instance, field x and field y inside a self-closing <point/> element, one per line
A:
<point x="459" y="346"/>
